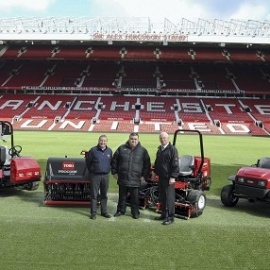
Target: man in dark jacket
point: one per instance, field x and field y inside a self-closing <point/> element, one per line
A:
<point x="98" y="162"/>
<point x="130" y="166"/>
<point x="166" y="167"/>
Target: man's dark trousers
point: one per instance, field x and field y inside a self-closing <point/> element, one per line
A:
<point x="99" y="186"/>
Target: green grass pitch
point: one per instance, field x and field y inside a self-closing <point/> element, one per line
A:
<point x="35" y="236"/>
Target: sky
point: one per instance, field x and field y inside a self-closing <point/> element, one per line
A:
<point x="173" y="10"/>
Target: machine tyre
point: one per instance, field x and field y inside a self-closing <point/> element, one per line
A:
<point x="32" y="186"/>
<point x="198" y="199"/>
<point x="227" y="196"/>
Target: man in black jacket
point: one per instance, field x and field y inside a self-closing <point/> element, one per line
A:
<point x="130" y="166"/>
<point x="98" y="162"/>
<point x="166" y="167"/>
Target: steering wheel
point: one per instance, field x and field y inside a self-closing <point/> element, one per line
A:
<point x="15" y="151"/>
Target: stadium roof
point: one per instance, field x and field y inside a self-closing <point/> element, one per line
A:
<point x="136" y="29"/>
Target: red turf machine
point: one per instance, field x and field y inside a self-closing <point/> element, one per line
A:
<point x="16" y="170"/>
<point x="67" y="181"/>
<point x="194" y="178"/>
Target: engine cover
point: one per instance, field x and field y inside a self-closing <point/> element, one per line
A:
<point x="24" y="170"/>
<point x="66" y="169"/>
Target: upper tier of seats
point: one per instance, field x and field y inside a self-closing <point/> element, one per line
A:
<point x="131" y="53"/>
<point x="132" y="77"/>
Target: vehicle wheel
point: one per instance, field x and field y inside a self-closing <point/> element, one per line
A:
<point x="32" y="186"/>
<point x="198" y="199"/>
<point x="227" y="196"/>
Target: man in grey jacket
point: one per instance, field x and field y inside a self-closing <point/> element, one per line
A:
<point x="130" y="166"/>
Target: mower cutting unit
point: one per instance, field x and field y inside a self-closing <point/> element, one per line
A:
<point x="67" y="181"/>
<point x="194" y="178"/>
<point x="16" y="170"/>
<point x="251" y="183"/>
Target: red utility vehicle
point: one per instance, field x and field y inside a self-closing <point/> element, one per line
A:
<point x="250" y="182"/>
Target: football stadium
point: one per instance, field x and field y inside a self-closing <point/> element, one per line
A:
<point x="120" y="75"/>
<point x="65" y="81"/>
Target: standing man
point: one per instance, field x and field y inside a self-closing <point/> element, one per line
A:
<point x="98" y="162"/>
<point x="166" y="167"/>
<point x="130" y="166"/>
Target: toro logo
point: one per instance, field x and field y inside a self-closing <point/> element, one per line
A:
<point x="68" y="166"/>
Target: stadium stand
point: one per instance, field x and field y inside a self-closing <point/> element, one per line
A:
<point x="227" y="110"/>
<point x="178" y="77"/>
<point x="214" y="77"/>
<point x="135" y="78"/>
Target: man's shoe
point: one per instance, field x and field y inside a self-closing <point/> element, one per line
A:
<point x="167" y="222"/>
<point x="93" y="216"/>
<point x="118" y="214"/>
<point x="160" y="218"/>
<point x="106" y="215"/>
<point x="135" y="216"/>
